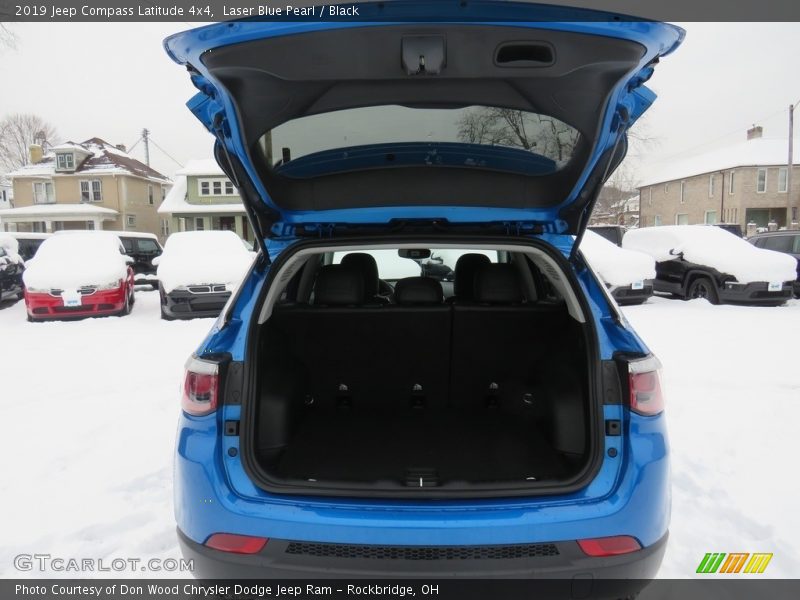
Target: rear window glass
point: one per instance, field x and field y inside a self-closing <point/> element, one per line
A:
<point x="779" y="243"/>
<point x="148" y="246"/>
<point x="413" y="136"/>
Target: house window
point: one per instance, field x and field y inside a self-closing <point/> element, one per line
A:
<point x="730" y="183"/>
<point x="650" y="196"/>
<point x="761" y="181"/>
<point x="130" y="220"/>
<point x="43" y="192"/>
<point x="682" y="219"/>
<point x="199" y="224"/>
<point x="711" y="185"/>
<point x="164" y="227"/>
<point x="711" y="217"/>
<point x="90" y="225"/>
<point x="782" y="179"/>
<point x="657" y="220"/>
<point x="91" y="190"/>
<point x="163" y="192"/>
<point x="150" y="198"/>
<point x="65" y="161"/>
<point x="683" y="190"/>
<point x="215" y="187"/>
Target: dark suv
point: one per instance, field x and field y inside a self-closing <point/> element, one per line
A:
<point x="787" y="242"/>
<point x="143" y="248"/>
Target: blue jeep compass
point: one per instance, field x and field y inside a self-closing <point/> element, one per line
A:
<point x="420" y="375"/>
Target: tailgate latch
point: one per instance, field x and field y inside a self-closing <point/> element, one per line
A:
<point x="423" y="54"/>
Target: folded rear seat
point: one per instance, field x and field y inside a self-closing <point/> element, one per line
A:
<point x="367" y="356"/>
<point x="500" y="342"/>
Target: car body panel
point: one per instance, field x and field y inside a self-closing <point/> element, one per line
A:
<point x="215" y="107"/>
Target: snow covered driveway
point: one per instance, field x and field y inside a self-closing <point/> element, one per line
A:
<point x="89" y="410"/>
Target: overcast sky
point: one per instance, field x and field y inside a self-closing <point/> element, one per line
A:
<point x="111" y="80"/>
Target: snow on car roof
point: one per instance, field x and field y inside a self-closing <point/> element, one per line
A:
<point x="713" y="247"/>
<point x="615" y="265"/>
<point x="203" y="257"/>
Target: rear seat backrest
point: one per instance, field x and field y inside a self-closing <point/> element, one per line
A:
<point x="499" y="341"/>
<point x="379" y="353"/>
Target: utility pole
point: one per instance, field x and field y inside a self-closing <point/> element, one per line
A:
<point x="146" y="133"/>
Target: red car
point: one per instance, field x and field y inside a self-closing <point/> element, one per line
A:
<point x="79" y="275"/>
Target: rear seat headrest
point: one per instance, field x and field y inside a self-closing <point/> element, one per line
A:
<point x="368" y="267"/>
<point x="466" y="266"/>
<point x="338" y="285"/>
<point x="497" y="284"/>
<point x="418" y="290"/>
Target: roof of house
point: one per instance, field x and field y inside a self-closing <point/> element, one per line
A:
<point x="175" y="201"/>
<point x="207" y="166"/>
<point x="44" y="210"/>
<point x="756" y="152"/>
<point x="103" y="159"/>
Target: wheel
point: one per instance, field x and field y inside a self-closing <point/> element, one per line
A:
<point x="703" y="287"/>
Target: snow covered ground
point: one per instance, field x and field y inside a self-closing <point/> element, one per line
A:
<point x="90" y="410"/>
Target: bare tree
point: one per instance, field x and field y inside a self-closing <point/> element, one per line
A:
<point x="519" y="129"/>
<point x="17" y="133"/>
<point x="7" y="37"/>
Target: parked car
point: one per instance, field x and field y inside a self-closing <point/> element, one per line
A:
<point x="702" y="261"/>
<point x="628" y="274"/>
<point x="613" y="233"/>
<point x="787" y="242"/>
<point x="11" y="269"/>
<point x="28" y="242"/>
<point x="85" y="274"/>
<point x="733" y="228"/>
<point x="143" y="248"/>
<point x="198" y="271"/>
<point x="517" y="432"/>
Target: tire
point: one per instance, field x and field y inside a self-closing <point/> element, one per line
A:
<point x="703" y="287"/>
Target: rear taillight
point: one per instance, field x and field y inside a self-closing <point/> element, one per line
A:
<point x="238" y="544"/>
<point x="610" y="546"/>
<point x="200" y="387"/>
<point x="646" y="396"/>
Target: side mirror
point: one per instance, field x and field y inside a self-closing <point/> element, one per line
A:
<point x="155" y="260"/>
<point x="674" y="252"/>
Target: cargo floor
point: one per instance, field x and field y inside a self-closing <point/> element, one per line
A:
<point x="484" y="446"/>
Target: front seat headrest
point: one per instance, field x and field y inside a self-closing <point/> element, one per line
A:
<point x="466" y="266"/>
<point x="418" y="290"/>
<point x="338" y="285"/>
<point x="366" y="265"/>
<point x="497" y="284"/>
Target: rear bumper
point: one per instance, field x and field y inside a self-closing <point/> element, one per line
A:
<point x="180" y="304"/>
<point x="559" y="560"/>
<point x="100" y="303"/>
<point x="625" y="294"/>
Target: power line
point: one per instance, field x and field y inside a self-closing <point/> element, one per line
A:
<point x="177" y="162"/>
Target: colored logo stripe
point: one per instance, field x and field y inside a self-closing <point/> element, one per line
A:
<point x="713" y="562"/>
<point x="758" y="563"/>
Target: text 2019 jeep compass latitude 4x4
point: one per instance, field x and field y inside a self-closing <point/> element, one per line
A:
<point x="347" y="419"/>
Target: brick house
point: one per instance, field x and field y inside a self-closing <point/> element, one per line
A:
<point x="742" y="183"/>
<point x="90" y="185"/>
<point x="203" y="198"/>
